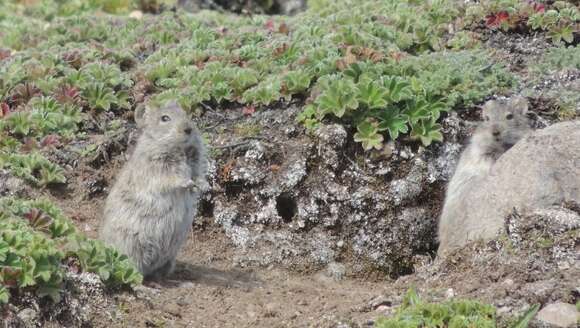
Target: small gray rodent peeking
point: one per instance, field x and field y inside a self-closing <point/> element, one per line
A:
<point x="152" y="204"/>
<point x="504" y="124"/>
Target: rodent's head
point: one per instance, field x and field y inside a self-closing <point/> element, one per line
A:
<point x="167" y="125"/>
<point x="506" y="121"/>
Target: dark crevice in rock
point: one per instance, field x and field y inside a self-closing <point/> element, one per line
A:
<point x="286" y="207"/>
<point x="205" y="208"/>
<point x="233" y="189"/>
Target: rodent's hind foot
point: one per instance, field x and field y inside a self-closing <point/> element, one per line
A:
<point x="162" y="272"/>
<point x="153" y="284"/>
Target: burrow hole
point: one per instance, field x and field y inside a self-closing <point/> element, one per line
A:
<point x="286" y="207"/>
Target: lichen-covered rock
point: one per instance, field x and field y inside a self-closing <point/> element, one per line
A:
<point x="307" y="201"/>
<point x="559" y="314"/>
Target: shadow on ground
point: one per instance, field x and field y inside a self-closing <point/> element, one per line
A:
<point x="187" y="272"/>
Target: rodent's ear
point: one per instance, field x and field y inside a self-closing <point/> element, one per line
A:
<point x="140" y="115"/>
<point x="488" y="105"/>
<point x="520" y="103"/>
<point x="171" y="103"/>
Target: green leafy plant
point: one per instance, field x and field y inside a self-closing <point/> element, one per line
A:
<point x="338" y="96"/>
<point x="99" y="96"/>
<point x="456" y="313"/>
<point x="525" y="319"/>
<point x="33" y="168"/>
<point x="36" y="240"/>
<point x="561" y="19"/>
<point x="296" y="82"/>
<point x="264" y="93"/>
<point x="561" y="22"/>
<point x="368" y="134"/>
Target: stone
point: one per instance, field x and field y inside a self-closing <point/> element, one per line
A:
<point x="173" y="309"/>
<point x="137" y="14"/>
<point x="336" y="271"/>
<point x="560" y="315"/>
<point x="29" y="317"/>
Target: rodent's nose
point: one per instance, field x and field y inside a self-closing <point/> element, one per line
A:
<point x="495" y="133"/>
<point x="188" y="130"/>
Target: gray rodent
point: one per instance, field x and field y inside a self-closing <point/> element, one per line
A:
<point x="504" y="124"/>
<point x="151" y="207"/>
<point x="540" y="171"/>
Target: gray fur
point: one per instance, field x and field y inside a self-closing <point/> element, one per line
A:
<point x="151" y="207"/>
<point x="504" y="124"/>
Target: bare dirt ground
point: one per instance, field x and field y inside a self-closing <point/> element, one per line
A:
<point x="208" y="290"/>
<point x="211" y="293"/>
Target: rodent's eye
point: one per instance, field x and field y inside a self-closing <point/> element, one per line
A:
<point x="509" y="116"/>
<point x="165" y="118"/>
<point x="486" y="118"/>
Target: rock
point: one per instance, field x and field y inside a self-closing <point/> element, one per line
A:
<point x="408" y="188"/>
<point x="290" y="7"/>
<point x="336" y="271"/>
<point x="381" y="301"/>
<point x="173" y="309"/>
<point x="383" y="308"/>
<point x="144" y="292"/>
<point x="137" y="14"/>
<point x="302" y="201"/>
<point x="29" y="317"/>
<point x="559" y="315"/>
<point x="449" y="293"/>
<point x="10" y="185"/>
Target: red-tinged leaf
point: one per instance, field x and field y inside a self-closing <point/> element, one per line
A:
<point x="269" y="25"/>
<point x="248" y="110"/>
<point x="4" y="110"/>
<point x="491" y="20"/>
<point x="10" y="276"/>
<point x="4" y="53"/>
<point x="283" y="28"/>
<point x="29" y="145"/>
<point x="67" y="94"/>
<point x="495" y="20"/>
<point x="303" y="60"/>
<point x="396" y="55"/>
<point x="275" y="167"/>
<point x="73" y="58"/>
<point x="22" y="93"/>
<point x="503" y="16"/>
<point x="50" y="141"/>
<point x="539" y="7"/>
<point x="222" y="30"/>
<point x="281" y="49"/>
<point x="38" y="220"/>
<point x="33" y="214"/>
